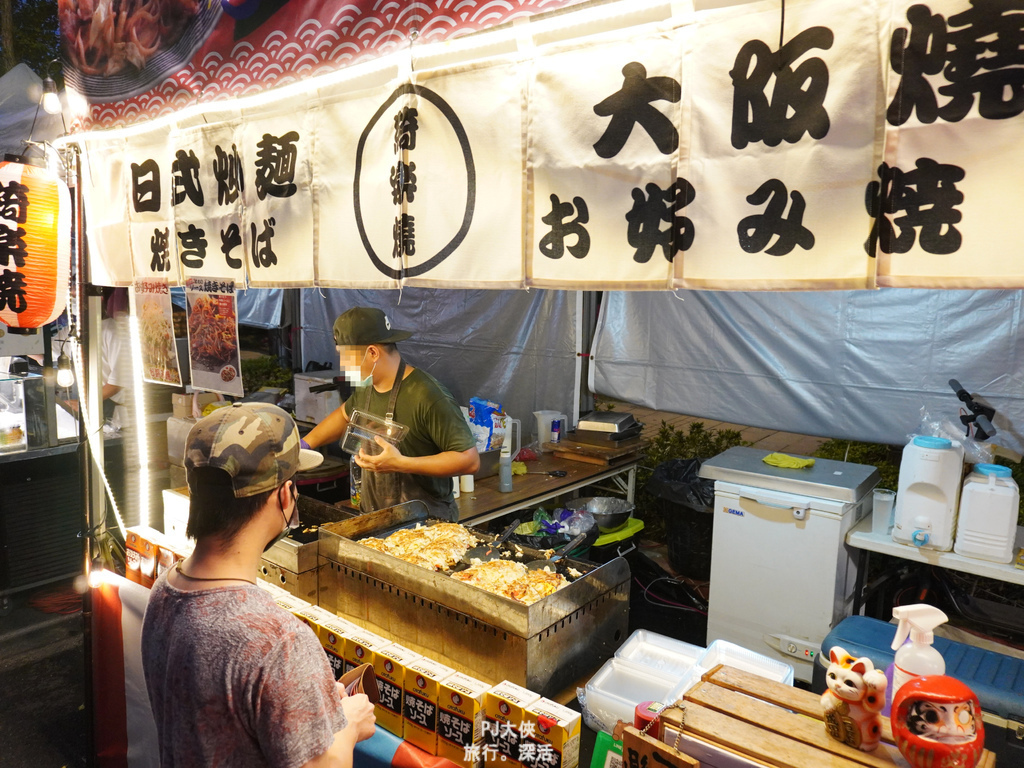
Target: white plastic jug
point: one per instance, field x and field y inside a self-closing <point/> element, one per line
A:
<point x="987" y="524"/>
<point x="544" y="419"/>
<point x="928" y="493"/>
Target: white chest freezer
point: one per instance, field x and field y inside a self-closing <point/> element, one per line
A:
<point x="781" y="573"/>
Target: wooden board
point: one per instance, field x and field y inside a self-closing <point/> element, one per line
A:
<point x="591" y="454"/>
<point x="768" y="723"/>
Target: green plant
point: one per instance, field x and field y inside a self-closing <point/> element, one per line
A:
<point x="697" y="442"/>
<point x="264" y="371"/>
<point x="885" y="457"/>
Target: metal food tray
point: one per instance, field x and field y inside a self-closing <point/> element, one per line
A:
<point x="545" y="646"/>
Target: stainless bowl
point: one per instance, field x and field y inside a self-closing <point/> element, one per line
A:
<point x="609" y="513"/>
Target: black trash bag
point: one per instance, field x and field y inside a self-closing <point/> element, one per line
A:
<point x="687" y="503"/>
<point x="677" y="480"/>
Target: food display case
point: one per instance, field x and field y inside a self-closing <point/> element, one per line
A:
<point x="546" y="646"/>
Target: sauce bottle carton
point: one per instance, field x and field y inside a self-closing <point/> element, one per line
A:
<point x="142" y="549"/>
<point x="170" y="553"/>
<point x="389" y="665"/>
<point x="333" y="632"/>
<point x="360" y="647"/>
<point x="272" y="589"/>
<point x="423" y="679"/>
<point x="292" y="604"/>
<point x="460" y="717"/>
<point x="551" y="736"/>
<point x="504" y="714"/>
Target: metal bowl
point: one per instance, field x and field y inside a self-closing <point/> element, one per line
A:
<point x="609" y="513"/>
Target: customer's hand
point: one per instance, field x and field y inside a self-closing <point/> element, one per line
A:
<point x="359" y="713"/>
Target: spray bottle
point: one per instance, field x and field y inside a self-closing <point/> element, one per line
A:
<point x="915" y="657"/>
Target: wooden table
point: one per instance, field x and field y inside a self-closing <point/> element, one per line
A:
<point x="486" y="502"/>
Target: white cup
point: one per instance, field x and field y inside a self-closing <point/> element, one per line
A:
<point x="466" y="482"/>
<point x="882" y="503"/>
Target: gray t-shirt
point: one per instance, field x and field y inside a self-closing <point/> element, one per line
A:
<point x="235" y="680"/>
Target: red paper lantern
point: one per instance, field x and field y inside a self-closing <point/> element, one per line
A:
<point x="35" y="244"/>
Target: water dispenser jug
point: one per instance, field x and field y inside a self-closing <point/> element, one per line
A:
<point x="928" y="493"/>
<point x="987" y="523"/>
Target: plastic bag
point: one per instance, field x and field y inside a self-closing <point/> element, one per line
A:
<point x="975" y="452"/>
<point x="572" y="522"/>
<point x="678" y="480"/>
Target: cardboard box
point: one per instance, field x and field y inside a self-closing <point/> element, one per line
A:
<point x="333" y="633"/>
<point x="181" y="406"/>
<point x="360" y="647"/>
<point x="423" y="680"/>
<point x="504" y="713"/>
<point x="142" y="549"/>
<point x="176" y="503"/>
<point x="389" y="665"/>
<point x="460" y="714"/>
<point x="170" y="553"/>
<point x="551" y="736"/>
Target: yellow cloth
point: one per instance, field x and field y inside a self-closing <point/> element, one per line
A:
<point x="785" y="460"/>
<point x="518" y="468"/>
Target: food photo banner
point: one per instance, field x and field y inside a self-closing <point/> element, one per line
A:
<point x="833" y="146"/>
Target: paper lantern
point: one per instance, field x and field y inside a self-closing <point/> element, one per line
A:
<point x="35" y="244"/>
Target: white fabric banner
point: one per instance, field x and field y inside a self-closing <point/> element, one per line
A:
<point x="208" y="194"/>
<point x="149" y="185"/>
<point x="950" y="189"/>
<point x="603" y="149"/>
<point x="738" y="149"/>
<point x="353" y="154"/>
<point x="278" y="144"/>
<point x="783" y="146"/>
<point x="467" y="171"/>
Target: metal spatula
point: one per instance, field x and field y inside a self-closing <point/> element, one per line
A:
<point x="491" y="550"/>
<point x="537" y="565"/>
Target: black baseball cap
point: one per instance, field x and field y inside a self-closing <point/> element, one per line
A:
<point x="362" y="326"/>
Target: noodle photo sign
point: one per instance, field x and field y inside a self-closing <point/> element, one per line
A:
<point x="213" y="336"/>
<point x="151" y="304"/>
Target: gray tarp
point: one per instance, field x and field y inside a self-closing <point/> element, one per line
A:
<point x="847" y="364"/>
<point x="514" y="347"/>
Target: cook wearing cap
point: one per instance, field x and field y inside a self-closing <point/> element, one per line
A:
<point x="438" y="444"/>
<point x="233" y="678"/>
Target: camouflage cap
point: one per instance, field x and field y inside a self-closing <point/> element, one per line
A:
<point x="257" y="444"/>
<point x="362" y="326"/>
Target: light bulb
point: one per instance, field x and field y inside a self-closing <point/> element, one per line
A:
<point x="51" y="101"/>
<point x="65" y="376"/>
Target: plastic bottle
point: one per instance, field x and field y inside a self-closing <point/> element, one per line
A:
<point x="505" y="469"/>
<point x="917" y="657"/>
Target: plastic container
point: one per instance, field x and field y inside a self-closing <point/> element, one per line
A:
<point x="987" y="523"/>
<point x="363" y="427"/>
<point x="613" y="693"/>
<point x="659" y="653"/>
<point x="618" y="543"/>
<point x="724" y="652"/>
<point x="929" y="493"/>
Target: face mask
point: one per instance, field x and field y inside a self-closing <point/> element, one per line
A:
<point x="292" y="523"/>
<point x="353" y="372"/>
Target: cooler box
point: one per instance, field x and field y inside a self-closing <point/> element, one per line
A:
<point x="781" y="574"/>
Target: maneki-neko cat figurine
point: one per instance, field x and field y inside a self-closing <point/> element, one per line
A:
<point x="936" y="722"/>
<point x="854" y="699"/>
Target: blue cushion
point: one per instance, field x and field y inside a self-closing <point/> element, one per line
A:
<point x="997" y="679"/>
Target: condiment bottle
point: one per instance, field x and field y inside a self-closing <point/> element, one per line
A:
<point x="505" y="469"/>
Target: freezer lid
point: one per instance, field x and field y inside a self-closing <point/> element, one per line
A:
<point x="827" y="479"/>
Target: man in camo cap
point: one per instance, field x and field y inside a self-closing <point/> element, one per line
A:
<point x="233" y="678"/>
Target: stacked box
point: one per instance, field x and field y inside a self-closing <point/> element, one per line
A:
<point x="360" y="647"/>
<point x="551" y="736"/>
<point x="423" y="680"/>
<point x="142" y="549"/>
<point x="170" y="553"/>
<point x="332" y="637"/>
<point x="460" y="712"/>
<point x="504" y="713"/>
<point x="389" y="665"/>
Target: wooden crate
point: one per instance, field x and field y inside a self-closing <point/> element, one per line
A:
<point x="733" y="719"/>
